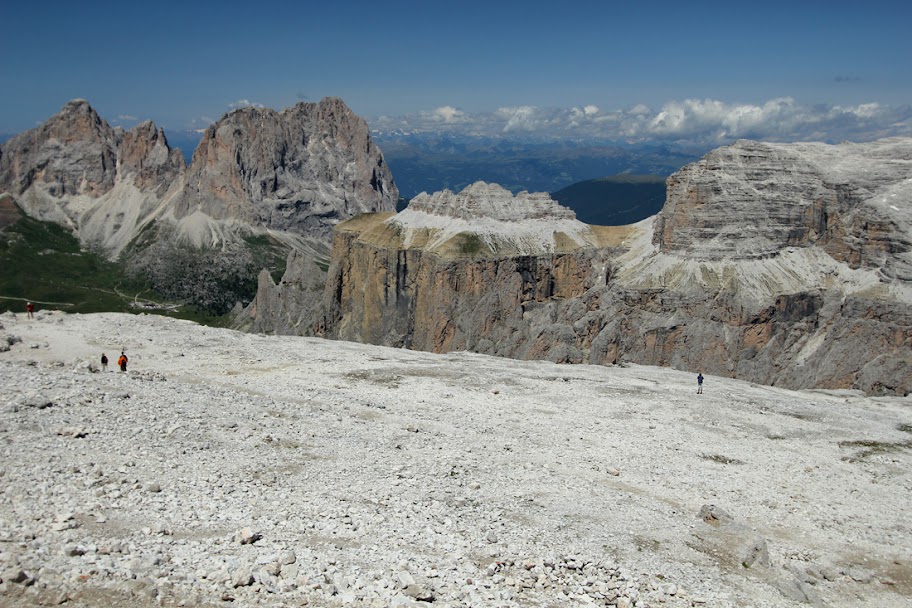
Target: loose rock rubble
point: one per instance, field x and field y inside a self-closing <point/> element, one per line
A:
<point x="234" y="469"/>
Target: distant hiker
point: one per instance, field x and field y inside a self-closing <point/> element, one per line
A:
<point x="122" y="361"/>
<point x="700" y="383"/>
<point x="30" y="310"/>
<point x="104" y="362"/>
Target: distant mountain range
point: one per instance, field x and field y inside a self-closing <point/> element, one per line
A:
<point x="426" y="161"/>
<point x="614" y="201"/>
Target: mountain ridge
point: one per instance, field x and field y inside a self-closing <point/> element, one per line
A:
<point x="285" y="176"/>
<point x="802" y="307"/>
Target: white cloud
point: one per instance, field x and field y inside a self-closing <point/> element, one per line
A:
<point x="699" y="121"/>
<point x="244" y="103"/>
<point x="448" y="114"/>
<point x="520" y="118"/>
<point x="125" y="117"/>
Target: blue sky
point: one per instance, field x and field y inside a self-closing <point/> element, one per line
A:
<point x="636" y="71"/>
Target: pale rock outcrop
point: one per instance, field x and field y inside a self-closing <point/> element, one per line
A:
<point x="850" y="199"/>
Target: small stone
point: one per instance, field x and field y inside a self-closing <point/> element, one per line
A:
<point x="405" y="579"/>
<point x="73" y="550"/>
<point x="756" y="553"/>
<point x="714" y="516"/>
<point x="288" y="557"/>
<point x="242" y="577"/>
<point x="613" y="471"/>
<point x="246" y="536"/>
<point x="15" y="575"/>
<point x="491" y="536"/>
<point x="859" y="575"/>
<point x="419" y="592"/>
<point x="38" y="401"/>
<point x="830" y="574"/>
<point x="153" y="487"/>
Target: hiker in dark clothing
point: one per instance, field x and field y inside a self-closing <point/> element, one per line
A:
<point x="104" y="362"/>
<point x="122" y="361"/>
<point x="700" y="383"/>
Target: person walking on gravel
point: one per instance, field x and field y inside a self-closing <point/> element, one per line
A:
<point x="122" y="361"/>
<point x="700" y="383"/>
<point x="104" y="362"/>
<point x="30" y="310"/>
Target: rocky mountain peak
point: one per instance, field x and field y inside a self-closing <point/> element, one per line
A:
<point x="302" y="169"/>
<point x="145" y="153"/>
<point x="527" y="223"/>
<point x="74" y="152"/>
<point x="491" y="201"/>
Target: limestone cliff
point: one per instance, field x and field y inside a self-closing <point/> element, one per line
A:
<point x="787" y="266"/>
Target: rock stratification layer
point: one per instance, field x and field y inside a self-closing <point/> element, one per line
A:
<point x="780" y="264"/>
<point x="850" y="199"/>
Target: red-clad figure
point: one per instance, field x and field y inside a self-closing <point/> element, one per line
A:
<point x="30" y="310"/>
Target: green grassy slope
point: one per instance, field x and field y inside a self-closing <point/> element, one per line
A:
<point x="614" y="201"/>
<point x="43" y="263"/>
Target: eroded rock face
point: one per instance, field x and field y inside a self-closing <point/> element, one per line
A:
<point x="102" y="183"/>
<point x="147" y="157"/>
<point x="291" y="307"/>
<point x="74" y="152"/>
<point x="298" y="171"/>
<point x="413" y="298"/>
<point x="301" y="170"/>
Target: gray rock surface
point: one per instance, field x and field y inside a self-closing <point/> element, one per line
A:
<point x="291" y="307"/>
<point x="102" y="183"/>
<point x="300" y="170"/>
<point x="753" y="199"/>
<point x="293" y="174"/>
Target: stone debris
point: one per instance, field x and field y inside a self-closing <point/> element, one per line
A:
<point x="246" y="536"/>
<point x="175" y="498"/>
<point x="714" y="515"/>
<point x="756" y="553"/>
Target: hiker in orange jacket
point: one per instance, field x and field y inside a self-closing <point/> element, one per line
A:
<point x="122" y="361"/>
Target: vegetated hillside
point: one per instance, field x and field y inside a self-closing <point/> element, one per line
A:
<point x="44" y="263"/>
<point x="614" y="201"/>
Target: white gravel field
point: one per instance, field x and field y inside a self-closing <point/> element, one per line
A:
<point x="230" y="469"/>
